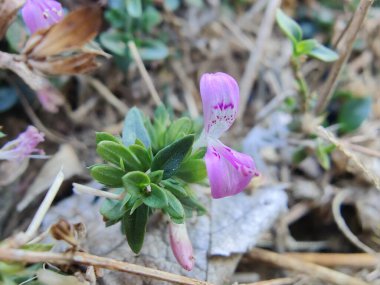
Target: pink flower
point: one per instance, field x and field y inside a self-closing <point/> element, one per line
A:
<point x="229" y="171"/>
<point x="41" y="14"/>
<point x="50" y="99"/>
<point x="22" y="147"/>
<point x="181" y="245"/>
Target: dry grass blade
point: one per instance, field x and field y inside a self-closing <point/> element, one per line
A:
<point x="73" y="32"/>
<point x="313" y="270"/>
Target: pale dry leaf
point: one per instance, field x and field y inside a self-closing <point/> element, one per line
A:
<point x="235" y="229"/>
<point x="65" y="159"/>
<point x="10" y="170"/>
<point x="238" y="222"/>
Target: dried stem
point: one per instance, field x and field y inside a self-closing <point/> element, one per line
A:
<point x="83" y="189"/>
<point x="257" y="52"/>
<point x="44" y="207"/>
<point x="144" y="73"/>
<point x="313" y="270"/>
<point x="337" y="202"/>
<point x="7" y="254"/>
<point x="277" y="281"/>
<point x="353" y="260"/>
<point x="344" y="49"/>
<point x="327" y="135"/>
<point x="108" y="95"/>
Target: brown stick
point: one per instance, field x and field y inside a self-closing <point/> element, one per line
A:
<point x="354" y="260"/>
<point x="311" y="269"/>
<point x="251" y="69"/>
<point x="277" y="281"/>
<point x="7" y="254"/>
<point x="344" y="49"/>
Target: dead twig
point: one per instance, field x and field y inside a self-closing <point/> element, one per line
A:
<point x="108" y="95"/>
<point x="353" y="260"/>
<point x="327" y="135"/>
<point x="313" y="270"/>
<point x="277" y="281"/>
<point x="18" y="255"/>
<point x="144" y="73"/>
<point x="336" y="204"/>
<point x="190" y="90"/>
<point x="256" y="55"/>
<point x="344" y="49"/>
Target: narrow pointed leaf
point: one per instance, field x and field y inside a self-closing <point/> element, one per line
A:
<point x="290" y="27"/>
<point x="170" y="158"/>
<point x="134" y="227"/>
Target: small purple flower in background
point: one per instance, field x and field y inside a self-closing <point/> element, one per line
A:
<point x="229" y="171"/>
<point x="22" y="147"/>
<point x="41" y="14"/>
<point x="50" y="99"/>
<point x="181" y="245"/>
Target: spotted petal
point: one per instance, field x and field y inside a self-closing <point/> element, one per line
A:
<point x="229" y="171"/>
<point x="41" y="14"/>
<point x="220" y="98"/>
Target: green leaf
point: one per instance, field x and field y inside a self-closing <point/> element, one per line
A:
<point x="134" y="8"/>
<point x="102" y="136"/>
<point x="120" y="155"/>
<point x="136" y="178"/>
<point x="289" y="27"/>
<point x="112" y="210"/>
<point x="199" y="153"/>
<point x="114" y="41"/>
<point x="174" y="187"/>
<point x="107" y="175"/>
<point x="157" y="197"/>
<point x="16" y="35"/>
<point x="134" y="128"/>
<point x="142" y="155"/>
<point x="322" y="156"/>
<point x="193" y="170"/>
<point x="178" y="129"/>
<point x="116" y="18"/>
<point x="134" y="227"/>
<point x="170" y="158"/>
<point x="191" y="205"/>
<point x="353" y="113"/>
<point x="175" y="209"/>
<point x="299" y="155"/>
<point x="305" y="47"/>
<point x="156" y="176"/>
<point x="2" y="135"/>
<point x="153" y="50"/>
<point x="136" y="205"/>
<point x="151" y="18"/>
<point x="323" y="53"/>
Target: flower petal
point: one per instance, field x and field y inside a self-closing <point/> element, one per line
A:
<point x="41" y="14"/>
<point x="220" y="98"/>
<point x="229" y="171"/>
<point x="181" y="245"/>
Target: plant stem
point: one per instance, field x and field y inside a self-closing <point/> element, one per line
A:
<point x="302" y="85"/>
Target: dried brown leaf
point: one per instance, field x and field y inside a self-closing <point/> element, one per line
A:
<point x="75" y="64"/>
<point x="74" y="31"/>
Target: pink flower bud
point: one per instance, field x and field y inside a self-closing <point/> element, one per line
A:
<point x="181" y="245"/>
